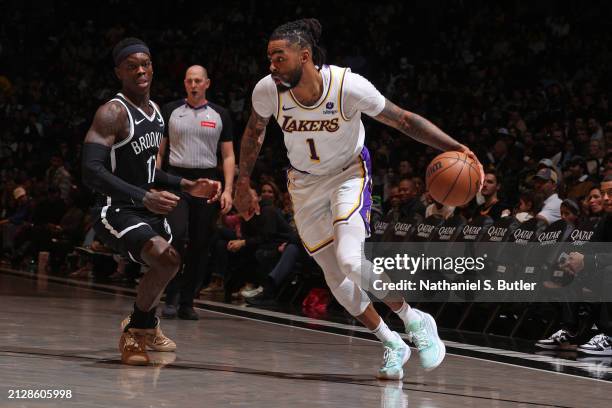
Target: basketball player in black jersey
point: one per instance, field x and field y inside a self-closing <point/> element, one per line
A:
<point x="119" y="156"/>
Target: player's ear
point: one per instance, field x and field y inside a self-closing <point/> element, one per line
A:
<point x="207" y="83"/>
<point x="118" y="73"/>
<point x="304" y="55"/>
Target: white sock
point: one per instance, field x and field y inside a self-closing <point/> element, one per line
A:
<point x="407" y="314"/>
<point x="383" y="333"/>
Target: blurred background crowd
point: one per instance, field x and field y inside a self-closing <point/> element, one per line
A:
<point x="526" y="86"/>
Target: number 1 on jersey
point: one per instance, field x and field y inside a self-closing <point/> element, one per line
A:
<point x="313" y="150"/>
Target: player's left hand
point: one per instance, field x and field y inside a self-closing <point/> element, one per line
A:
<point x="204" y="188"/>
<point x="471" y="155"/>
<point x="226" y="201"/>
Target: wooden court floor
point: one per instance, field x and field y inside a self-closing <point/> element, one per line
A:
<point x="58" y="337"/>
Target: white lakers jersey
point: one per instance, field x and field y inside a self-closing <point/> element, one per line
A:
<point x="323" y="138"/>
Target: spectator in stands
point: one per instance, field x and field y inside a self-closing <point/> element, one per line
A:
<point x="274" y="240"/>
<point x="232" y="268"/>
<point x="392" y="205"/>
<point x="229" y="229"/>
<point x="410" y="203"/>
<point x="577" y="180"/>
<point x="607" y="163"/>
<point x="548" y="164"/>
<point x="260" y="242"/>
<point x="528" y="207"/>
<point x="595" y="129"/>
<point x="582" y="139"/>
<point x="420" y="190"/>
<point x="598" y="262"/>
<point x="497" y="157"/>
<point x="17" y="221"/>
<point x="46" y="217"/>
<point x="545" y="185"/>
<point x="492" y="206"/>
<point x="438" y="209"/>
<point x="70" y="231"/>
<point x="271" y="194"/>
<point x="594" y="202"/>
<point x="595" y="158"/>
<point x="405" y="169"/>
<point x="57" y="176"/>
<point x="289" y="253"/>
<point x="570" y="211"/>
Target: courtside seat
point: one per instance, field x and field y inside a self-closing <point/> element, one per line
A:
<point x="490" y="247"/>
<point x="454" y="314"/>
<point x="506" y="266"/>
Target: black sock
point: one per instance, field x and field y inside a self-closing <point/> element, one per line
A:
<point x="142" y="320"/>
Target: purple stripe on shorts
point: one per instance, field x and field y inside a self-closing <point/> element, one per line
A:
<point x="366" y="194"/>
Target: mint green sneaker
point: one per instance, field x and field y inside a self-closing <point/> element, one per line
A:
<point x="424" y="335"/>
<point x="396" y="354"/>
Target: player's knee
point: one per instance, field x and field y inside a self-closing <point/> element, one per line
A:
<point x="353" y="299"/>
<point x="159" y="254"/>
<point x="170" y="260"/>
<point x="350" y="264"/>
<point x="333" y="280"/>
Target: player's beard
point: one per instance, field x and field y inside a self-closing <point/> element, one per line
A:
<point x="292" y="81"/>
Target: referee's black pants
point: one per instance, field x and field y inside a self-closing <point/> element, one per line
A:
<point x="192" y="222"/>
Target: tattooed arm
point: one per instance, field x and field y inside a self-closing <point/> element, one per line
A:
<point x="252" y="140"/>
<point x="417" y="127"/>
<point x="422" y="130"/>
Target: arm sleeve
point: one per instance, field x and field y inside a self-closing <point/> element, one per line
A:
<point x="167" y="180"/>
<point x="97" y="177"/>
<point x="359" y="95"/>
<point x="265" y="98"/>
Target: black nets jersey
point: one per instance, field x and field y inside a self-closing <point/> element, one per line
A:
<point x="133" y="159"/>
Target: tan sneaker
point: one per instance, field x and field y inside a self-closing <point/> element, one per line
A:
<point x="133" y="348"/>
<point x="155" y="338"/>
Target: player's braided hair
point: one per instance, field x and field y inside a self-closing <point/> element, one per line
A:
<point x="306" y="33"/>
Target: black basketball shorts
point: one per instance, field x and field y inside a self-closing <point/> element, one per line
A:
<point x="126" y="229"/>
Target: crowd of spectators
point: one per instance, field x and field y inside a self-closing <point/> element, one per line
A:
<point x="526" y="86"/>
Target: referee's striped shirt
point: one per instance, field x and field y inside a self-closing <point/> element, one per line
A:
<point x="194" y="133"/>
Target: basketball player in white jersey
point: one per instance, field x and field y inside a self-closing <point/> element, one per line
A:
<point x="319" y="109"/>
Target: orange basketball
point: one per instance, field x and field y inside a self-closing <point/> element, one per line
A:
<point x="452" y="178"/>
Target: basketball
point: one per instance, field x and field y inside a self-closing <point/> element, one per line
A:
<point x="452" y="178"/>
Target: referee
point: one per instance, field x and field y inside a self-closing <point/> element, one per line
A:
<point x="196" y="128"/>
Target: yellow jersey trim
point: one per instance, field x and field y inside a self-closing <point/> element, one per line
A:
<point x="340" y="96"/>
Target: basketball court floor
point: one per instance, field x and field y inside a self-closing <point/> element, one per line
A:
<point x="58" y="334"/>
